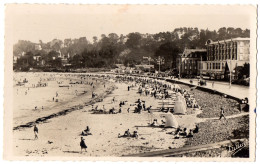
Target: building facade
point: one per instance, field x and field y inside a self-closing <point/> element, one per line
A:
<point x="188" y="63"/>
<point x="225" y="56"/>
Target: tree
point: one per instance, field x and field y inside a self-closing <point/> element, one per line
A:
<point x="244" y="71"/>
<point x="238" y="32"/>
<point x="222" y="33"/>
<point x="95" y="39"/>
<point x="128" y="49"/>
<point x="56" y="44"/>
<point x="169" y="51"/>
<point x="133" y="40"/>
<point x="53" y="60"/>
<point x="113" y="37"/>
<point x="67" y="42"/>
<point x="246" y="33"/>
<point x="23" y="46"/>
<point x="77" y="61"/>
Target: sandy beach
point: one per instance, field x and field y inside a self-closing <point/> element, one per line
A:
<point x="27" y="97"/>
<point x="61" y="135"/>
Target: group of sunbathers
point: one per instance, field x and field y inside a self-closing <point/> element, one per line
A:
<point x="184" y="132"/>
<point x="128" y="134"/>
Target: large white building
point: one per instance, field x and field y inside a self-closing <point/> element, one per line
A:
<point x="225" y="55"/>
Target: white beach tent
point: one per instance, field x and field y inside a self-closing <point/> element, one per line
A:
<point x="170" y="120"/>
<point x="180" y="105"/>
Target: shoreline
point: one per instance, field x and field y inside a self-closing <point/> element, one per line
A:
<point x="66" y="111"/>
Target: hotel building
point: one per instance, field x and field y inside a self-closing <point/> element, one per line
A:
<point x="225" y="55"/>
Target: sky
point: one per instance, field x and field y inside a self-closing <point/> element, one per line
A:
<point x="47" y="22"/>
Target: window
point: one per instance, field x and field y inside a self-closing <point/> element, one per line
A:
<point x="223" y="65"/>
<point x="241" y="50"/>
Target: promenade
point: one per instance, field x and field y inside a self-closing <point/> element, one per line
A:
<point x="237" y="91"/>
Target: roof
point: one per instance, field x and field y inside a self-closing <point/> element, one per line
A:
<point x="210" y="42"/>
<point x="120" y="66"/>
<point x="188" y="52"/>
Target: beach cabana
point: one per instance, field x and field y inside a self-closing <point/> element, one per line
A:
<point x="180" y="105"/>
<point x="170" y="120"/>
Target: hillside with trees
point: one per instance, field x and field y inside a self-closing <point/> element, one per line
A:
<point x="112" y="49"/>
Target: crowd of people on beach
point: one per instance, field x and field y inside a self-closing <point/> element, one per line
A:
<point x="158" y="89"/>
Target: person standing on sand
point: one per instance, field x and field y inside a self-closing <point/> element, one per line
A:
<point x="113" y="100"/>
<point x="104" y="109"/>
<point x="83" y="144"/>
<point x="222" y="113"/>
<point x="35" y="130"/>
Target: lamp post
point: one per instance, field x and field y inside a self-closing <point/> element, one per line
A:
<point x="180" y="67"/>
<point x="230" y="74"/>
<point x="149" y="58"/>
<point x="231" y="56"/>
<point x="160" y="61"/>
<point x="200" y="66"/>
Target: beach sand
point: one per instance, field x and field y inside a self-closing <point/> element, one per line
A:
<point x="42" y="97"/>
<point x="60" y="136"/>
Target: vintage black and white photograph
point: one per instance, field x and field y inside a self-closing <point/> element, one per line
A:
<point x="130" y="81"/>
